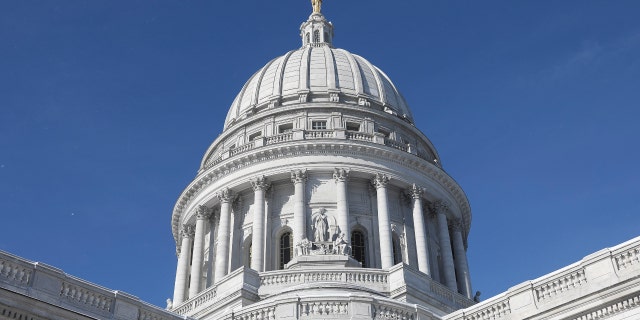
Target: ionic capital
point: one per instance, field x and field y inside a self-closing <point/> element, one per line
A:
<point x="299" y="176"/>
<point x="260" y="183"/>
<point x="341" y="175"/>
<point x="225" y="195"/>
<point x="415" y="192"/>
<point x="187" y="231"/>
<point x="203" y="212"/>
<point x="380" y="180"/>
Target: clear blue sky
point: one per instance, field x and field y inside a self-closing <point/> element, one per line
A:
<point x="107" y="107"/>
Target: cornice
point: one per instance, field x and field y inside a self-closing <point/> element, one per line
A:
<point x="363" y="150"/>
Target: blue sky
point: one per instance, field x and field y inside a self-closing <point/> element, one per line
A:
<point x="107" y="106"/>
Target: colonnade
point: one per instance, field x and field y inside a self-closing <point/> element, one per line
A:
<point x="455" y="271"/>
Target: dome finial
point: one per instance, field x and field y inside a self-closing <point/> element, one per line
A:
<point x="317" y="5"/>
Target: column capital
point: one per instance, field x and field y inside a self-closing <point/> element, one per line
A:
<point x="455" y="225"/>
<point x="440" y="206"/>
<point x="415" y="192"/>
<point x="187" y="231"/>
<point x="225" y="195"/>
<point x="299" y="176"/>
<point x="380" y="180"/>
<point x="260" y="183"/>
<point x="203" y="212"/>
<point x="341" y="174"/>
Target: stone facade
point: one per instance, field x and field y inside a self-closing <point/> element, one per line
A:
<point x="321" y="200"/>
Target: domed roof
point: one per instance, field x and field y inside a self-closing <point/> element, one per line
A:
<point x="318" y="72"/>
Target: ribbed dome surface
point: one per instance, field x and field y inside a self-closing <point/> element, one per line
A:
<point x="318" y="71"/>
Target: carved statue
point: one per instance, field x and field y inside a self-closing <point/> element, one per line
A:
<point x="320" y="227"/>
<point x="340" y="245"/>
<point x="304" y="247"/>
<point x="476" y="297"/>
<point x="169" y="304"/>
<point x="317" y="5"/>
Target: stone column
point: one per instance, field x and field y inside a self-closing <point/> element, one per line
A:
<point x="380" y="182"/>
<point x="299" y="178"/>
<point x="224" y="233"/>
<point x="440" y="209"/>
<point x="422" y="244"/>
<point x="460" y="254"/>
<point x="260" y="185"/>
<point x="341" y="177"/>
<point x="184" y="257"/>
<point x="202" y="217"/>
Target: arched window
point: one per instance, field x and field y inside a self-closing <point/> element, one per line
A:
<point x="397" y="250"/>
<point x="286" y="248"/>
<point x="326" y="37"/>
<point x="307" y="38"/>
<point x="359" y="247"/>
<point x="316" y="36"/>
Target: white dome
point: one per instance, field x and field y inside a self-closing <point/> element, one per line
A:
<point x="318" y="73"/>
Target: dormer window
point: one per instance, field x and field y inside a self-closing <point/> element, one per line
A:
<point x="353" y="126"/>
<point x="284" y="128"/>
<point x="255" y="135"/>
<point x="318" y="125"/>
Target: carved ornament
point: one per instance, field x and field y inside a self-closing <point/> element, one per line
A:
<point x="380" y="181"/>
<point x="203" y="212"/>
<point x="260" y="183"/>
<point x="341" y="175"/>
<point x="299" y="176"/>
<point x="225" y="195"/>
<point x="187" y="231"/>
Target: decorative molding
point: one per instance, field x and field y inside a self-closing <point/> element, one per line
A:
<point x="203" y="212"/>
<point x="385" y="312"/>
<point x="299" y="176"/>
<point x="14" y="273"/>
<point x="415" y="192"/>
<point x="609" y="310"/>
<point x="187" y="231"/>
<point x="380" y="181"/>
<point x="225" y="195"/>
<point x="224" y="168"/>
<point x="260" y="183"/>
<point x="627" y="259"/>
<point x="85" y="297"/>
<point x="559" y="285"/>
<point x="341" y="175"/>
<point x="493" y="311"/>
<point x="323" y="308"/>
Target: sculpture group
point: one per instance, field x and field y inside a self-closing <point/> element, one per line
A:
<point x="322" y="243"/>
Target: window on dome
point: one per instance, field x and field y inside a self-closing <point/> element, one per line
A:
<point x="307" y="38"/>
<point x="254" y="136"/>
<point x="353" y="126"/>
<point x="316" y="36"/>
<point x="397" y="250"/>
<point x="358" y="247"/>
<point x="326" y="37"/>
<point x="318" y="125"/>
<point x="286" y="249"/>
<point x="385" y="132"/>
<point x="284" y="128"/>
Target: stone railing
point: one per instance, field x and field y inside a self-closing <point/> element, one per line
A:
<point x="240" y="279"/>
<point x="318" y="134"/>
<point x="615" y="270"/>
<point x="395" y="144"/>
<point x="49" y="286"/>
<point x="314" y="135"/>
<point x="275" y="282"/>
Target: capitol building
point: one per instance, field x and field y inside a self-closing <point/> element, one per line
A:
<point x="321" y="199"/>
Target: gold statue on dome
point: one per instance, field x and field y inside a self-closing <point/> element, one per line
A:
<point x="317" y="5"/>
